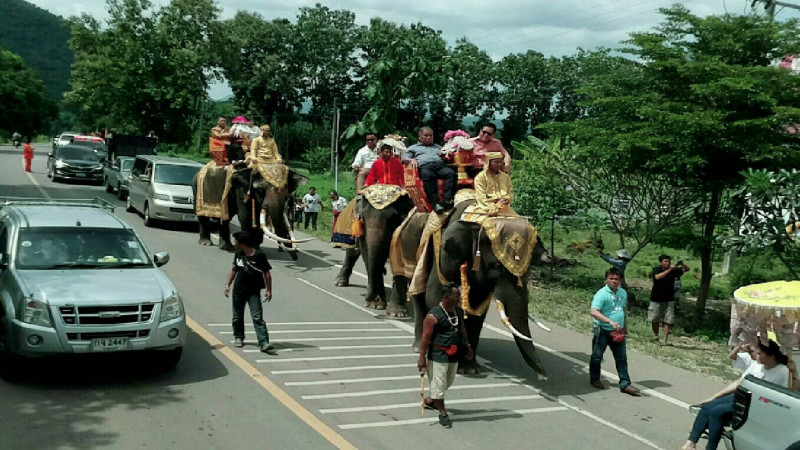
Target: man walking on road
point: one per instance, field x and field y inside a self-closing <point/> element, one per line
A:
<point x="661" y="311"/>
<point x="610" y="330"/>
<point x="313" y="201"/>
<point x="249" y="274"/>
<point x="443" y="336"/>
<point x="27" y="153"/>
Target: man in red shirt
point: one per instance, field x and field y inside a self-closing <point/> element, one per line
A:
<point x="27" y="153"/>
<point x="386" y="170"/>
<point x="485" y="142"/>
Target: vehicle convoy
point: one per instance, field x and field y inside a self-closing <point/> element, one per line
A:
<point x="160" y="188"/>
<point x="97" y="144"/>
<point x="765" y="416"/>
<point x="73" y="162"/>
<point x="64" y="138"/>
<point x="75" y="278"/>
<point x="115" y="175"/>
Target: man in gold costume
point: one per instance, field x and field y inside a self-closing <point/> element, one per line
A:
<point x="493" y="191"/>
<point x="264" y="149"/>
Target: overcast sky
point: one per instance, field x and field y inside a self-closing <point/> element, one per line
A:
<point x="552" y="27"/>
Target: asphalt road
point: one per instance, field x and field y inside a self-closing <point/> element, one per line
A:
<point x="341" y="376"/>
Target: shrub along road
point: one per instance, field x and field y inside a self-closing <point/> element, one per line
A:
<point x="341" y="375"/>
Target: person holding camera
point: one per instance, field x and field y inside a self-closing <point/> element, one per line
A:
<point x="661" y="312"/>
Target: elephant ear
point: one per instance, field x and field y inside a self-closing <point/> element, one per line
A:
<point x="296" y="180"/>
<point x="457" y="243"/>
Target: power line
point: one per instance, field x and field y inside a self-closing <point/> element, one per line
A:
<point x="575" y="22"/>
<point x="579" y="29"/>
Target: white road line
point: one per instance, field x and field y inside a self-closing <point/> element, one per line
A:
<point x="279" y="351"/>
<point x="340" y="330"/>
<point x="333" y="358"/>
<point x="457" y="387"/>
<point x="348" y="347"/>
<point x="351" y="380"/>
<point x="342" y="338"/>
<point x="395" y="423"/>
<point x="363" y="322"/>
<point x="342" y="369"/>
<point x="416" y="404"/>
<point x="36" y="183"/>
<point x="605" y="373"/>
<point x="338" y="297"/>
<point x="338" y="266"/>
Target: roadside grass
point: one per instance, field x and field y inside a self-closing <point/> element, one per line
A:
<point x="564" y="298"/>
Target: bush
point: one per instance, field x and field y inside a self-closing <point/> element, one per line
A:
<point x="318" y="159"/>
<point x="758" y="266"/>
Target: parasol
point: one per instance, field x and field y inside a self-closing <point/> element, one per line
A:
<point x="768" y="307"/>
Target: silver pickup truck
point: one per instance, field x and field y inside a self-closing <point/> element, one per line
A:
<point x="115" y="176"/>
<point x="75" y="278"/>
<point x="766" y="416"/>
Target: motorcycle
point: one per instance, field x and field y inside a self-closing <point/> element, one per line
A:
<point x="16" y="143"/>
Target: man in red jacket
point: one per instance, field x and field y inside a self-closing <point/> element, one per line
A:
<point x="386" y="170"/>
<point x="27" y="153"/>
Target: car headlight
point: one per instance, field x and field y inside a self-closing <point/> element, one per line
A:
<point x="172" y="308"/>
<point x="98" y="167"/>
<point x="60" y="164"/>
<point x="164" y="197"/>
<point x="35" y="312"/>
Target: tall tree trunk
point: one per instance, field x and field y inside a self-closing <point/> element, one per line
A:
<point x="707" y="249"/>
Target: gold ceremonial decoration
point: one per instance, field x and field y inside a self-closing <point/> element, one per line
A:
<point x="275" y="174"/>
<point x="468" y="310"/>
<point x="213" y="186"/>
<point x="512" y="241"/>
<point x="382" y="195"/>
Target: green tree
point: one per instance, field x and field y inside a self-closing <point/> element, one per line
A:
<point x="526" y="93"/>
<point x="700" y="104"/>
<point x="470" y="75"/>
<point x="26" y="106"/>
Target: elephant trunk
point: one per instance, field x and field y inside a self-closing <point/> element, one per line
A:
<point x="515" y="307"/>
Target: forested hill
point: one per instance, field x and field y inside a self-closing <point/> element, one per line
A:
<point x="40" y="38"/>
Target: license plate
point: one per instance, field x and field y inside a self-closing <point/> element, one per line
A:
<point x="114" y="344"/>
<point x="189" y="217"/>
<point x="80" y="175"/>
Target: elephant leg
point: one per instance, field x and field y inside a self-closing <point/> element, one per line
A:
<point x="375" y="264"/>
<point x="351" y="256"/>
<point x="474" y="325"/>
<point x="225" y="236"/>
<point x="397" y="298"/>
<point x="205" y="231"/>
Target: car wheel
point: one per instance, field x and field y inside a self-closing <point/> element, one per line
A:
<point x="49" y="173"/>
<point x="11" y="365"/>
<point x="168" y="359"/>
<point x="109" y="188"/>
<point x="148" y="221"/>
<point x="128" y="205"/>
<point x="53" y="174"/>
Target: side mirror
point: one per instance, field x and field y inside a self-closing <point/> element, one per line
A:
<point x="144" y="178"/>
<point x="161" y="258"/>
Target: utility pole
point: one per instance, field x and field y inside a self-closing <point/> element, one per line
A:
<point x="334" y="131"/>
<point x="769" y="6"/>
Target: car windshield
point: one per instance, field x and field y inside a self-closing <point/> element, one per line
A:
<point x="77" y="153"/>
<point x="49" y="248"/>
<point x="175" y="174"/>
<point x="92" y="145"/>
<point x="127" y="165"/>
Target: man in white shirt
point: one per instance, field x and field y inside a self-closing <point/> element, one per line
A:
<point x="313" y="202"/>
<point x="365" y="156"/>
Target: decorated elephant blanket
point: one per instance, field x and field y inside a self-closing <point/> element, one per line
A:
<point x="213" y="186"/>
<point x="432" y="238"/>
<point x="513" y="240"/>
<point x="403" y="255"/>
<point x="382" y="195"/>
<point x="276" y="174"/>
<point x="343" y="228"/>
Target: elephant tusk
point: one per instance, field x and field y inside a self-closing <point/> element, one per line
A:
<point x="281" y="240"/>
<point x="538" y="322"/>
<point x="503" y="318"/>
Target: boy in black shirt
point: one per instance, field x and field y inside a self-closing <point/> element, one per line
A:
<point x="249" y="274"/>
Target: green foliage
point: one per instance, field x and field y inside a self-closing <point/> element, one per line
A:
<point x="25" y="105"/>
<point x="144" y="68"/>
<point x="526" y="93"/>
<point x="40" y="38"/>
<point x="318" y="159"/>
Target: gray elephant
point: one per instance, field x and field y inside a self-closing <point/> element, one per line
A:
<point x="382" y="209"/>
<point x="258" y="197"/>
<point x="487" y="279"/>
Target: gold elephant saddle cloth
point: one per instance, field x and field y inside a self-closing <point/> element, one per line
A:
<point x="513" y="240"/>
<point x="213" y="185"/>
<point x="382" y="195"/>
<point x="276" y="174"/>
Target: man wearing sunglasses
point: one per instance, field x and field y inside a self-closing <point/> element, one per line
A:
<point x="485" y="142"/>
<point x="362" y="163"/>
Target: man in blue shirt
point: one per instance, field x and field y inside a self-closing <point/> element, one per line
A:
<point x="610" y="330"/>
<point x="427" y="157"/>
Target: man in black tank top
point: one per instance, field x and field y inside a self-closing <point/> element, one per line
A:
<point x="443" y="338"/>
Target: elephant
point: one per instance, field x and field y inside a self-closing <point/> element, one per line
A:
<point x="490" y="279"/>
<point x="373" y="245"/>
<point x="257" y="203"/>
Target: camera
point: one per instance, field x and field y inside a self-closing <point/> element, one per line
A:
<point x="679" y="264"/>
